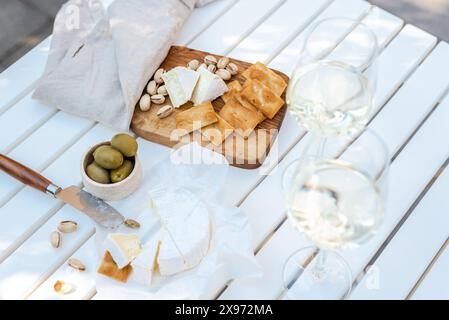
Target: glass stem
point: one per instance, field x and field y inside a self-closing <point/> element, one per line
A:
<point x="320" y="267"/>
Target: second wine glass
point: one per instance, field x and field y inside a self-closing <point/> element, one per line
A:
<point x="337" y="201"/>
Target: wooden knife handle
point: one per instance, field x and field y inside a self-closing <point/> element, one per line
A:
<point x="26" y="175"/>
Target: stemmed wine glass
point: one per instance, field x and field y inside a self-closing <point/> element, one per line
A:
<point x="331" y="89"/>
<point x="336" y="200"/>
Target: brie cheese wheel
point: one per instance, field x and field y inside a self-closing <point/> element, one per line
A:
<point x="123" y="248"/>
<point x="185" y="241"/>
<point x="145" y="263"/>
<point x="209" y="87"/>
<point x="180" y="83"/>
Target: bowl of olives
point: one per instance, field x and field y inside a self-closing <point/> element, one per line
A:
<point x="111" y="170"/>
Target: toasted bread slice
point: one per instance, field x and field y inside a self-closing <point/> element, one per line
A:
<point x="243" y="118"/>
<point x="268" y="77"/>
<point x="195" y="118"/>
<point x="218" y="132"/>
<point x="109" y="268"/>
<point x="258" y="95"/>
<point x="234" y="88"/>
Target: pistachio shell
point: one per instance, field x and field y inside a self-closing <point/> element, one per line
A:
<point x="152" y="87"/>
<point x="165" y="111"/>
<point x="193" y="65"/>
<point x="222" y="63"/>
<point x="212" y="68"/>
<point x="232" y="68"/>
<point x="76" y="264"/>
<point x="224" y="74"/>
<point x="158" y="99"/>
<point x="158" y="76"/>
<point x="56" y="239"/>
<point x="63" y="287"/>
<point x="145" y="103"/>
<point x="67" y="226"/>
<point x="210" y="60"/>
<point x="162" y="90"/>
<point x="133" y="224"/>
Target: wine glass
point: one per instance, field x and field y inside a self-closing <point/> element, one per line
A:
<point x="336" y="198"/>
<point x="331" y="89"/>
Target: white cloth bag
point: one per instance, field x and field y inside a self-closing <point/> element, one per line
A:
<point x="101" y="59"/>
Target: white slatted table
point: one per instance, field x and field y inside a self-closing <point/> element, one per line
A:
<point x="408" y="258"/>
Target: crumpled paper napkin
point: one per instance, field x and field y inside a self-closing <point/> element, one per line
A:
<point x="101" y="59"/>
<point x="176" y="183"/>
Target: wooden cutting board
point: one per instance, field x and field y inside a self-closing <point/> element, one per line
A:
<point x="244" y="153"/>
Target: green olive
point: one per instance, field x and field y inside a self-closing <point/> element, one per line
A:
<point x="123" y="172"/>
<point x="125" y="144"/>
<point x="108" y="158"/>
<point x="97" y="173"/>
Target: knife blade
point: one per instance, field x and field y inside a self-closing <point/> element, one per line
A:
<point x="95" y="208"/>
<point x="92" y="206"/>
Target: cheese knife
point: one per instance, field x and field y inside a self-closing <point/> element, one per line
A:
<point x="95" y="208"/>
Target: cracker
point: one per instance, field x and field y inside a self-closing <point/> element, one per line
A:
<point x="234" y="88"/>
<point x="109" y="268"/>
<point x="258" y="95"/>
<point x="218" y="132"/>
<point x="195" y="118"/>
<point x="243" y="118"/>
<point x="268" y="77"/>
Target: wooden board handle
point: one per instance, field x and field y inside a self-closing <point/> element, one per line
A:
<point x="24" y="174"/>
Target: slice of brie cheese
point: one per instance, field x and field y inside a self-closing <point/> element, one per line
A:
<point x="209" y="87"/>
<point x="123" y="247"/>
<point x="145" y="263"/>
<point x="180" y="83"/>
<point x="185" y="241"/>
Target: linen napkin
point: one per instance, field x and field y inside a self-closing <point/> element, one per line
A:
<point x="101" y="59"/>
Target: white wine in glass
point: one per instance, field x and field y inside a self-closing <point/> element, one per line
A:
<point x="335" y="195"/>
<point x="335" y="204"/>
<point x="330" y="98"/>
<point x="332" y="86"/>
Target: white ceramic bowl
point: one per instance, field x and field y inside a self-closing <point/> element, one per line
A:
<point x="112" y="191"/>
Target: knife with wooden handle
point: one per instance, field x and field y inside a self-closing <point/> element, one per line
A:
<point x="97" y="209"/>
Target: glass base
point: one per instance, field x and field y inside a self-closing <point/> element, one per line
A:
<point x="311" y="273"/>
